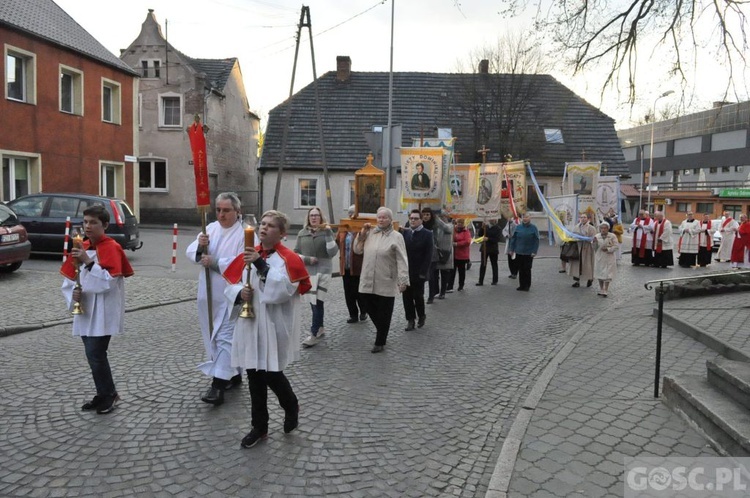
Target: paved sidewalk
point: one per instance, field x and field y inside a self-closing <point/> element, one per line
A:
<point x="594" y="404"/>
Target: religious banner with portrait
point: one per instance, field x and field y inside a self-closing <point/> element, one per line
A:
<point x="513" y="184"/>
<point x="461" y="195"/>
<point x="489" y="190"/>
<point x="566" y="209"/>
<point x="422" y="174"/>
<point x="608" y="195"/>
<point x="582" y="179"/>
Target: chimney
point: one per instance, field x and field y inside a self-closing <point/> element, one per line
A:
<point x="484" y="66"/>
<point x="343" y="68"/>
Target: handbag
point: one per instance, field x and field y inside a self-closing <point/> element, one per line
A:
<point x="569" y="251"/>
<point x="443" y="256"/>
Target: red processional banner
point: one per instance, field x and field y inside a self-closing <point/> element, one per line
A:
<point x="200" y="167"/>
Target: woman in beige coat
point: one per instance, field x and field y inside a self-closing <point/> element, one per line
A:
<point x="583" y="269"/>
<point x="385" y="272"/>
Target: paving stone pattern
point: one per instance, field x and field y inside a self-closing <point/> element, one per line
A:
<point x="425" y="418"/>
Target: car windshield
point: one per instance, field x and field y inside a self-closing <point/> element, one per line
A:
<point x="7" y="217"/>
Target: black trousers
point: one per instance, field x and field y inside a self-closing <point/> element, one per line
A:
<point x="380" y="309"/>
<point x="483" y="267"/>
<point x="459" y="266"/>
<point x="512" y="265"/>
<point x="525" y="261"/>
<point x="413" y="298"/>
<point x="351" y="294"/>
<point x="258" y="382"/>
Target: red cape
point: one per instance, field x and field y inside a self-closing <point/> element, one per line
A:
<point x="295" y="268"/>
<point x="109" y="255"/>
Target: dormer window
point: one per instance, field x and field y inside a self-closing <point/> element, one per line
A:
<point x="553" y="136"/>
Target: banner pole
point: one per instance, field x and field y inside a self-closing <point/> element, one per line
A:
<point x="209" y="301"/>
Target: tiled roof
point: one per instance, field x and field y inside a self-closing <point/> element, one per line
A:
<point x="424" y="101"/>
<point x="46" y="20"/>
<point x="217" y="70"/>
<point x="629" y="191"/>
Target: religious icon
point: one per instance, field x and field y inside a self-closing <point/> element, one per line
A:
<point x="485" y="191"/>
<point x="420" y="180"/>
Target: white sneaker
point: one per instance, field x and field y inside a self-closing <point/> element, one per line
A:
<point x="321" y="332"/>
<point x="310" y="341"/>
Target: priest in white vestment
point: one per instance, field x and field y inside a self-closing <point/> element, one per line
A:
<point x="689" y="230"/>
<point x="728" y="230"/>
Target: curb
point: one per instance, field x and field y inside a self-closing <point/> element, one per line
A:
<point x="18" y="329"/>
<point x="709" y="340"/>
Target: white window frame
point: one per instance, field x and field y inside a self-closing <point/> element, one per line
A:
<point x="298" y="191"/>
<point x="349" y="199"/>
<point x="33" y="172"/>
<point x="554" y="136"/>
<point x="119" y="178"/>
<point x="116" y="101"/>
<point x="170" y="95"/>
<point x="76" y="76"/>
<point x="149" y="71"/>
<point x="29" y="73"/>
<point x="153" y="161"/>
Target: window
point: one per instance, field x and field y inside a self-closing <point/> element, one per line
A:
<point x="662" y="173"/>
<point x="308" y="189"/>
<point x="71" y="90"/>
<point x="713" y="169"/>
<point x="696" y="171"/>
<point x="140" y="110"/>
<point x="532" y="200"/>
<point x="112" y="182"/>
<point x="683" y="207"/>
<point x="150" y="68"/>
<point x="153" y="175"/>
<point x="20" y="75"/>
<point x="686" y="172"/>
<point x="15" y="177"/>
<point x="705" y="207"/>
<point x="351" y="195"/>
<point x="735" y="210"/>
<point x="170" y="110"/>
<point x="738" y="169"/>
<point x="729" y="140"/>
<point x="553" y="136"/>
<point x="110" y="101"/>
<point x="725" y="169"/>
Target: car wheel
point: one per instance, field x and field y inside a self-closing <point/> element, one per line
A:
<point x="11" y="267"/>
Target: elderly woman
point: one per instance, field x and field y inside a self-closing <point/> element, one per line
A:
<point x="583" y="269"/>
<point x="524" y="245"/>
<point x="385" y="272"/>
<point x="605" y="257"/>
<point x="317" y="246"/>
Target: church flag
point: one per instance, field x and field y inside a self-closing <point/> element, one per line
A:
<point x="607" y="195"/>
<point x="200" y="165"/>
<point x="422" y="174"/>
<point x="582" y="179"/>
<point x="489" y="191"/>
<point x="513" y="189"/>
<point x="461" y="195"/>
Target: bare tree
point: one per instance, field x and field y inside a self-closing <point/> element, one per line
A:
<point x="500" y="96"/>
<point x="613" y="33"/>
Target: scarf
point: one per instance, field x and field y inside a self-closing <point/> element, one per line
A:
<point x="726" y="222"/>
<point x="385" y="230"/>
<point x="109" y="255"/>
<point x="639" y="225"/>
<point x="658" y="234"/>
<point x="295" y="268"/>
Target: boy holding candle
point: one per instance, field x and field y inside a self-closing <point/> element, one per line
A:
<point x="102" y="267"/>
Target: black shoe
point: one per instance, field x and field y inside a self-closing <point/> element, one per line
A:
<point x="525" y="289"/>
<point x="420" y="322"/>
<point x="362" y="317"/>
<point x="409" y="325"/>
<point x="430" y="300"/>
<point x="377" y="349"/>
<point x="252" y="438"/>
<point x="234" y="382"/>
<point x="107" y="404"/>
<point x="448" y="291"/>
<point x="460" y="289"/>
<point x="291" y="420"/>
<point x="562" y="271"/>
<point x="493" y="283"/>
<point x="577" y="284"/>
<point x="352" y="320"/>
<point x="588" y="283"/>
<point x="93" y="404"/>
<point x="441" y="296"/>
<point x="214" y="396"/>
<point x="513" y="276"/>
<point x="479" y="284"/>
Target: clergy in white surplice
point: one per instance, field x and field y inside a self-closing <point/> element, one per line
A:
<point x="728" y="230"/>
<point x="689" y="231"/>
<point x="642" y="229"/>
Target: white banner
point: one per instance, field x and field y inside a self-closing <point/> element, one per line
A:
<point x="421" y="174"/>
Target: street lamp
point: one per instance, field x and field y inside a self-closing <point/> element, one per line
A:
<point x="651" y="149"/>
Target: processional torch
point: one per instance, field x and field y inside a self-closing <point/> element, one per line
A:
<point x="77" y="243"/>
<point x="247" y="306"/>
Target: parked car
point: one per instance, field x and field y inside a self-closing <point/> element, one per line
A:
<point x="44" y="216"/>
<point x="716" y="225"/>
<point x="14" y="244"/>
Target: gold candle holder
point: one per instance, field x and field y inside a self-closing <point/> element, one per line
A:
<point x="77" y="243"/>
<point x="247" y="306"/>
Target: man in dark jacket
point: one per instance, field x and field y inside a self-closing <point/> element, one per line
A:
<point x="419" y="245"/>
<point x="489" y="250"/>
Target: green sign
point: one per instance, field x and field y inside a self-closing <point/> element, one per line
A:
<point x="735" y="192"/>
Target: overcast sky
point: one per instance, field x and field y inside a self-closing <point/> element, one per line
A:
<point x="430" y="36"/>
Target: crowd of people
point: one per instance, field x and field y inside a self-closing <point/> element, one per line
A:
<point x="376" y="264"/>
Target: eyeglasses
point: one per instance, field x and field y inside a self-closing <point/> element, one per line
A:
<point x="415" y="218"/>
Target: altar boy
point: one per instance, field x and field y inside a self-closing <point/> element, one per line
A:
<point x="103" y="268"/>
